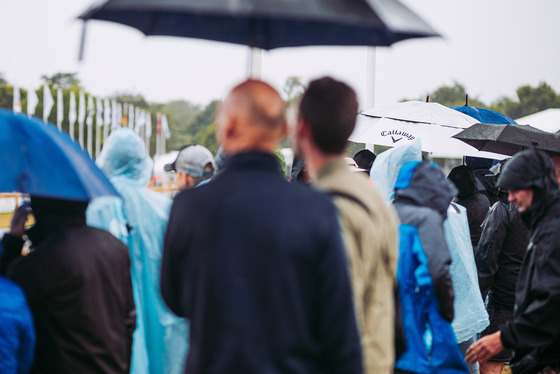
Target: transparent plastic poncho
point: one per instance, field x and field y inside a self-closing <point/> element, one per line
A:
<point x="139" y="219"/>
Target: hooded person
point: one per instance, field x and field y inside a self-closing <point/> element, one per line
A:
<point x="534" y="332"/>
<point x="499" y="256"/>
<point x="78" y="286"/>
<point x="477" y="204"/>
<point x="140" y="220"/>
<point x="422" y="197"/>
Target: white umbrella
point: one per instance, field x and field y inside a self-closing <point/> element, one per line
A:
<point x="432" y="123"/>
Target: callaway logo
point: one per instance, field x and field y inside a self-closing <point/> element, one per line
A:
<point x="399" y="135"/>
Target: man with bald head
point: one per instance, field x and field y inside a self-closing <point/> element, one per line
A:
<point x="255" y="263"/>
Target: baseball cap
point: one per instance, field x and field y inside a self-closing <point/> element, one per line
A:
<point x="191" y="160"/>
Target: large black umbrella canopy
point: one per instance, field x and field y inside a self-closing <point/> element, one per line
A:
<point x="509" y="139"/>
<point x="269" y="24"/>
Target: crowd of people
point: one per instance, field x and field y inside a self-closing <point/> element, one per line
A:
<point x="396" y="270"/>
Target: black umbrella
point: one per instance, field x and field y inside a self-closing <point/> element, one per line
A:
<point x="509" y="139"/>
<point x="269" y="24"/>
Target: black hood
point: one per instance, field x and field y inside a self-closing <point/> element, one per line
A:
<point x="423" y="184"/>
<point x="532" y="169"/>
<point x="54" y="214"/>
<point x="463" y="178"/>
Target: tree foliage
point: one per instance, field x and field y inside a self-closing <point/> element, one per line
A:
<point x="293" y="90"/>
<point x="530" y="100"/>
<point x="190" y="123"/>
<point x="62" y="80"/>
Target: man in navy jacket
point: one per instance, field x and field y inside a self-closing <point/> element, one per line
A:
<point x="255" y="263"/>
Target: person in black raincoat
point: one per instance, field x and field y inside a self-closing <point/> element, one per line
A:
<point x="534" y="333"/>
<point x="498" y="257"/>
<point x="477" y="204"/>
<point x="77" y="282"/>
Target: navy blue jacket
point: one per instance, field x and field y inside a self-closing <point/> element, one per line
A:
<point x="258" y="267"/>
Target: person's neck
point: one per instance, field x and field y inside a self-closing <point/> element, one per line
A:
<point x="315" y="160"/>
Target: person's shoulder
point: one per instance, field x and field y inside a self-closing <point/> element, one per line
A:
<point x="9" y="287"/>
<point x="97" y="237"/>
<point x="9" y="290"/>
<point x="418" y="215"/>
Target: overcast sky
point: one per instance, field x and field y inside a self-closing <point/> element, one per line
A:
<point x="490" y="46"/>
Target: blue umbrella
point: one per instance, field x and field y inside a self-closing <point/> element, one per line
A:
<point x="484" y="115"/>
<point x="39" y="160"/>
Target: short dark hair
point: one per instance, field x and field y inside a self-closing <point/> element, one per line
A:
<point x="329" y="107"/>
<point x="365" y="159"/>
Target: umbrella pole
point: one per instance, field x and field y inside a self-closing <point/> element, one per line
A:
<point x="254" y="63"/>
<point x="370" y="84"/>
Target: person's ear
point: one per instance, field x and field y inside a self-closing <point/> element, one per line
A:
<point x="302" y="129"/>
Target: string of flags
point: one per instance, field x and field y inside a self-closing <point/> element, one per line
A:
<point x="109" y="115"/>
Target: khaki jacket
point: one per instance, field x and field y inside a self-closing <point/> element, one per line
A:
<point x="371" y="245"/>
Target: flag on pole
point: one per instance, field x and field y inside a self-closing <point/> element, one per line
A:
<point x="99" y="113"/>
<point x="124" y="119"/>
<point x="99" y="125"/>
<point x="17" y="100"/>
<point x="165" y="127"/>
<point x="89" y="123"/>
<point x="81" y="117"/>
<point x="115" y="115"/>
<point x="48" y="102"/>
<point x="72" y="114"/>
<point x="107" y="113"/>
<point x="90" y="110"/>
<point x="107" y="120"/>
<point x="158" y="134"/>
<point x="32" y="101"/>
<point x="148" y="132"/>
<point x="59" y="109"/>
<point x="140" y="120"/>
<point x="131" y="116"/>
<point x="82" y="108"/>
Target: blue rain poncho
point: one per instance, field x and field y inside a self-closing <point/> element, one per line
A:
<point x="140" y="220"/>
<point x="470" y="314"/>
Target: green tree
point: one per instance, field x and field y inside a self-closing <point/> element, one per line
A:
<point x="6" y="96"/>
<point x="293" y="90"/>
<point x="180" y="115"/>
<point x="2" y="79"/>
<point x="203" y="127"/>
<point x="530" y="100"/>
<point x="62" y="80"/>
<point x="454" y="95"/>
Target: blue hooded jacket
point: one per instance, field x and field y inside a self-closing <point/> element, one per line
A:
<point x="160" y="338"/>
<point x="17" y="334"/>
<point x="422" y="196"/>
